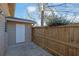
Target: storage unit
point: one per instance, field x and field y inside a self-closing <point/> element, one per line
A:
<point x="19" y="30"/>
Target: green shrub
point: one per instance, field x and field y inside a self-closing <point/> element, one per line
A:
<point x="57" y="21"/>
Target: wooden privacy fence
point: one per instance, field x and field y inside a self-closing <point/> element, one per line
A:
<point x="58" y="40"/>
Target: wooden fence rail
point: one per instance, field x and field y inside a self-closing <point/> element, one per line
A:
<point x="58" y="40"/>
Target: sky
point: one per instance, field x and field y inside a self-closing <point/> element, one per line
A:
<point x="23" y="9"/>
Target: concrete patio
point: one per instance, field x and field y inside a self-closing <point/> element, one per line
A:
<point x="30" y="49"/>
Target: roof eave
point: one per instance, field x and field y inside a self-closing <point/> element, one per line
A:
<point x="17" y="20"/>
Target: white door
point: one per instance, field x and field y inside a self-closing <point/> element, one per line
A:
<point x="20" y="33"/>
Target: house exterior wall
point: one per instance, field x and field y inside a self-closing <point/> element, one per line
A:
<point x="3" y="35"/>
<point x="11" y="29"/>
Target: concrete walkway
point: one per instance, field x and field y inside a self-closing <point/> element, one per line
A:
<point x="28" y="50"/>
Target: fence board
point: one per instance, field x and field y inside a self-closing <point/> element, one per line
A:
<point x="60" y="40"/>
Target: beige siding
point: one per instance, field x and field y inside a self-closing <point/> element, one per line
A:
<point x="28" y="33"/>
<point x="2" y="35"/>
<point x="11" y="28"/>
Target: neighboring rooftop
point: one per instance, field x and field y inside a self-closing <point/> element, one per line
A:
<point x="19" y="20"/>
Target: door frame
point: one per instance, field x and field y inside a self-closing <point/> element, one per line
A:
<point x="20" y="33"/>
